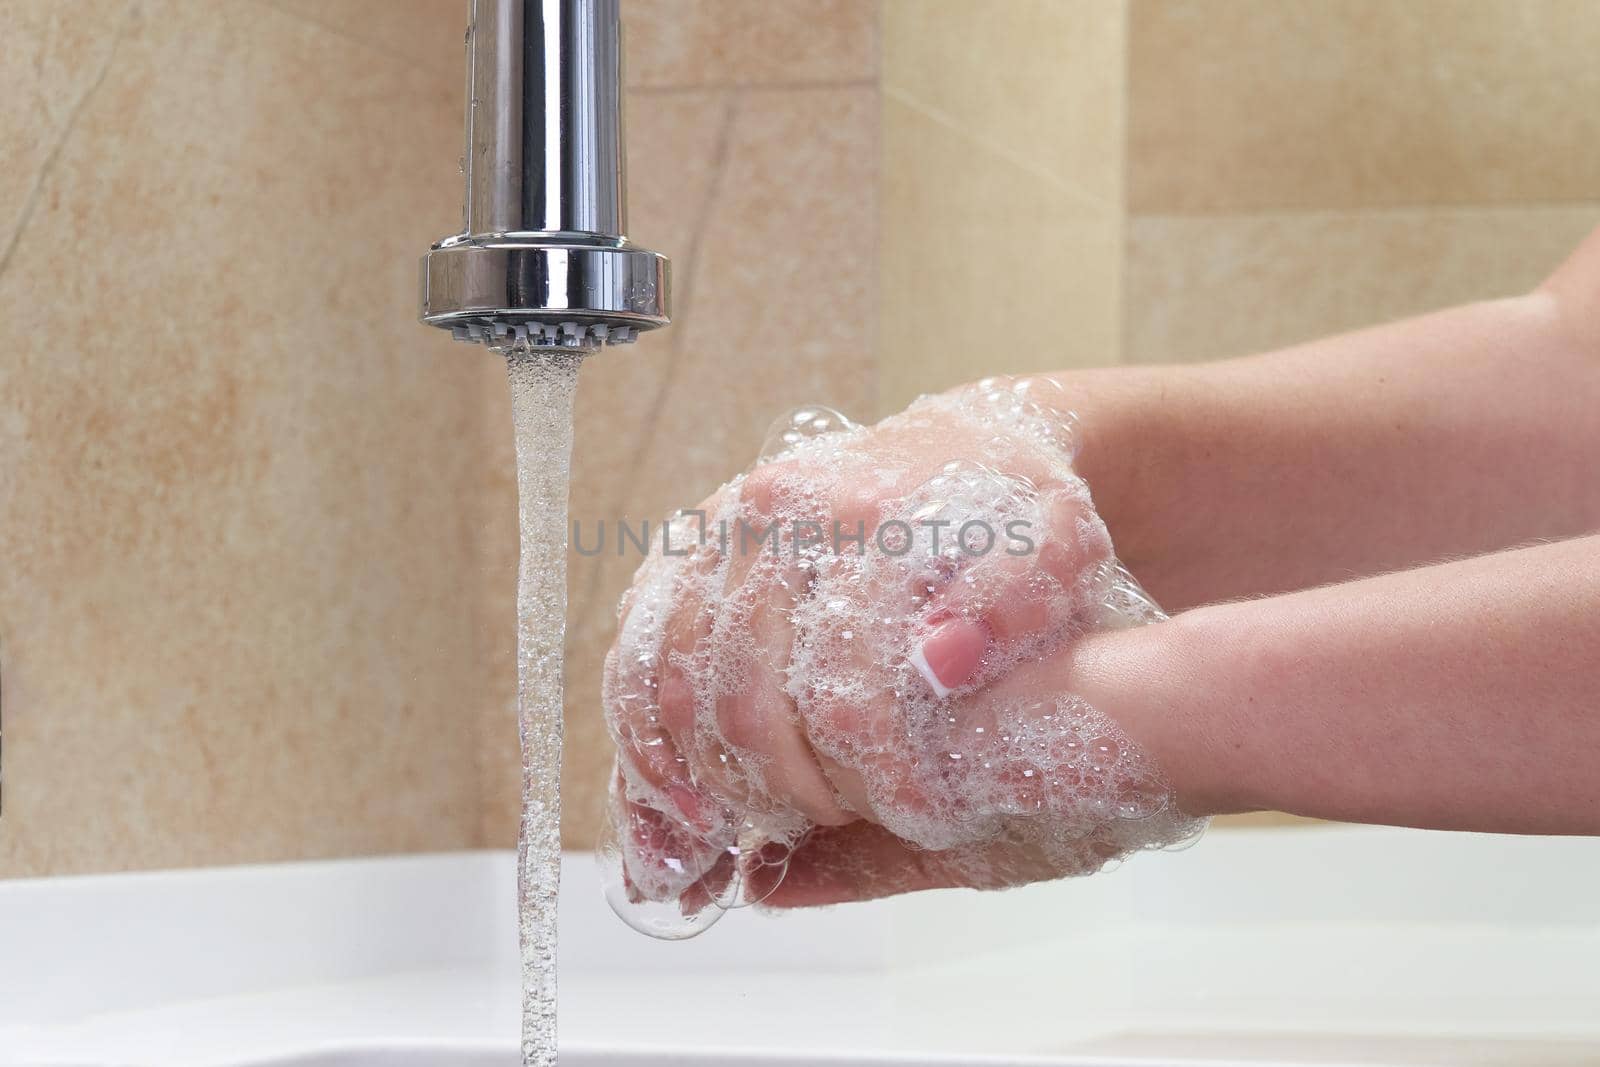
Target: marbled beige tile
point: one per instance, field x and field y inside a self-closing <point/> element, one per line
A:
<point x="782" y="297"/>
<point x="238" y="506"/>
<point x="427" y="32"/>
<point x="988" y="266"/>
<point x="1205" y="287"/>
<point x="1037" y="83"/>
<point x="1325" y="104"/>
<point x="676" y="143"/>
<point x="260" y="525"/>
<point x="699" y="43"/>
<point x="53" y="56"/>
<point x="670" y="43"/>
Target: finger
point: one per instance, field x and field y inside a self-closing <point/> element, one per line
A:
<point x="685" y="648"/>
<point x="633" y="718"/>
<point x="759" y="719"/>
<point x="752" y="643"/>
<point x="661" y="857"/>
<point x="861" y="861"/>
<point x="635" y="672"/>
<point x="849" y="641"/>
<point x="711" y="887"/>
<point x="1052" y="579"/>
<point x="861" y="743"/>
<point x="951" y="655"/>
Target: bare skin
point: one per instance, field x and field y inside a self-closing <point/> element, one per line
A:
<point x="1452" y="695"/>
<point x="1458" y="433"/>
<point x="1462" y="696"/>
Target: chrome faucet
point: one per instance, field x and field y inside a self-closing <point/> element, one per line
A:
<point x="543" y="260"/>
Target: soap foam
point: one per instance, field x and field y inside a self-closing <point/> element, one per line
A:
<point x="1006" y="535"/>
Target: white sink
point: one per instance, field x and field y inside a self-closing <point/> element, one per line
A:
<point x="1348" y="945"/>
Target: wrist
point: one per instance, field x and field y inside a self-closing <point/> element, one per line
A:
<point x="1133" y="457"/>
<point x="1159" y="684"/>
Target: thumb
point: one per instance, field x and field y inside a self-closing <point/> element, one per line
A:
<point x="949" y="656"/>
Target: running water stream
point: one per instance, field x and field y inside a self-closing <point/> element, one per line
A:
<point x="543" y="383"/>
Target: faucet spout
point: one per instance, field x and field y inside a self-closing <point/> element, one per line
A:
<point x="543" y="260"/>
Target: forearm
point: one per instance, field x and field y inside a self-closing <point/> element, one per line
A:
<point x="1458" y="433"/>
<point x="1460" y="696"/>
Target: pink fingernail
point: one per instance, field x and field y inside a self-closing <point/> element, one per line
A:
<point x="950" y="656"/>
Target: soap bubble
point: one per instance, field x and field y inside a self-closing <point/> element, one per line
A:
<point x="1187" y="840"/>
<point x="673" y="918"/>
<point x="1034" y="408"/>
<point x="800" y="425"/>
<point x="671" y="882"/>
<point x="659" y="875"/>
<point x="1125" y="602"/>
<point x="766" y="865"/>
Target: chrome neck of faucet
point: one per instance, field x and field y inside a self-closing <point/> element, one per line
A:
<point x="544" y="118"/>
<point x="543" y="259"/>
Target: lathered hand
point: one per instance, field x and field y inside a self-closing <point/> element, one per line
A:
<point x="816" y="681"/>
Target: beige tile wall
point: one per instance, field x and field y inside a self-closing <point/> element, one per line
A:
<point x="1211" y="286"/>
<point x="1301" y="167"/>
<point x="257" y="526"/>
<point x="257" y="530"/>
<point x="239" y="521"/>
<point x="1072" y="184"/>
<point x="1328" y="105"/>
<point x="1003" y="189"/>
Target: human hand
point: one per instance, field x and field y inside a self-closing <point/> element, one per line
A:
<point x="812" y="673"/>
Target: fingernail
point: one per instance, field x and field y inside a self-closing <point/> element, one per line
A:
<point x="949" y="657"/>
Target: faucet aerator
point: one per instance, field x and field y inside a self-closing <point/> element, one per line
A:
<point x="542" y="260"/>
